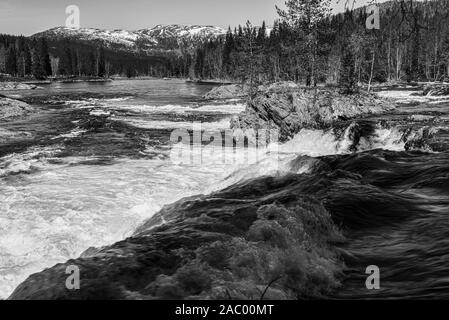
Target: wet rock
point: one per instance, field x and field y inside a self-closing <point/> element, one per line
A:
<point x="423" y="117"/>
<point x="16" y="86"/>
<point x="290" y="110"/>
<point x="10" y="108"/>
<point x="235" y="91"/>
<point x="226" y="92"/>
<point x="212" y="247"/>
<point x="277" y="86"/>
<point x="436" y="90"/>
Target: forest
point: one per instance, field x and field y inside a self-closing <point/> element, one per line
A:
<point x="307" y="44"/>
<point x="412" y="44"/>
<point x="38" y="58"/>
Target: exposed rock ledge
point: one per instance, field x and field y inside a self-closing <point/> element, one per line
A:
<point x="290" y="110"/>
<point x="10" y="108"/>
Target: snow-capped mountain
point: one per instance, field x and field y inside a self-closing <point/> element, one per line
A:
<point x="158" y="38"/>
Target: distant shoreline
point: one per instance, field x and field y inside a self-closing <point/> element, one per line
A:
<point x="112" y="78"/>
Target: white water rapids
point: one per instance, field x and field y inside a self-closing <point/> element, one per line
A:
<point x="52" y="209"/>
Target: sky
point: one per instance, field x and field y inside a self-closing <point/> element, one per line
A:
<point x="30" y="16"/>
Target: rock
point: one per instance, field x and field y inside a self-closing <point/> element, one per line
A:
<point x="226" y="92"/>
<point x="436" y="90"/>
<point x="423" y="117"/>
<point x="293" y="109"/>
<point x="278" y="86"/>
<point x="212" y="247"/>
<point x="12" y="108"/>
<point x="16" y="86"/>
<point x="234" y="91"/>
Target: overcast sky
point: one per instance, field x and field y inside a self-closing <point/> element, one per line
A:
<point x="30" y="16"/>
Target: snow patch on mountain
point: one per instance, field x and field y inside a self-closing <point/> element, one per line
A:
<point x="159" y="37"/>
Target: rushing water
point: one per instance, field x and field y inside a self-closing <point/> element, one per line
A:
<point x="94" y="163"/>
<point x="66" y="186"/>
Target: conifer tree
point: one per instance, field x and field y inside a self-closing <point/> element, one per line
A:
<point x="37" y="68"/>
<point x="44" y="57"/>
<point x="347" y="81"/>
<point x="305" y="16"/>
<point x="11" y="61"/>
<point x="101" y="62"/>
<point x="2" y="58"/>
<point x="65" y="63"/>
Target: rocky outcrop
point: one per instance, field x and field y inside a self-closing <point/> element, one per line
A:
<point x="295" y="108"/>
<point x="16" y="86"/>
<point x="10" y="108"/>
<point x="240" y="243"/>
<point x="235" y="91"/>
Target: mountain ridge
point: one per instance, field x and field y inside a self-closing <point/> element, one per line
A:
<point x="166" y="37"/>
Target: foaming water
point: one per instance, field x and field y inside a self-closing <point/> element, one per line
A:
<point x="223" y="124"/>
<point x="55" y="208"/>
<point x="63" y="209"/>
<point x="317" y="143"/>
<point x="170" y="108"/>
<point x="55" y="204"/>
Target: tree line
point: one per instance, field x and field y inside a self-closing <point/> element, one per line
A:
<point x="309" y="45"/>
<point x="38" y="58"/>
<point x="306" y="44"/>
<point x="22" y="57"/>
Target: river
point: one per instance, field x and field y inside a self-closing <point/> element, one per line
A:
<point x="94" y="162"/>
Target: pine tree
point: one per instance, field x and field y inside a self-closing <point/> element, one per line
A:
<point x="28" y="59"/>
<point x="91" y="64"/>
<point x="445" y="56"/>
<point x="74" y="62"/>
<point x="199" y="64"/>
<point x="2" y="58"/>
<point x="11" y="61"/>
<point x="44" y="57"/>
<point x="37" y="68"/>
<point x="229" y="46"/>
<point x="262" y="34"/>
<point x="347" y="81"/>
<point x="65" y="63"/>
<point x="305" y="16"/>
<point x="101" y="63"/>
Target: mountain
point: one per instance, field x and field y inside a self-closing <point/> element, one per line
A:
<point x="161" y="37"/>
